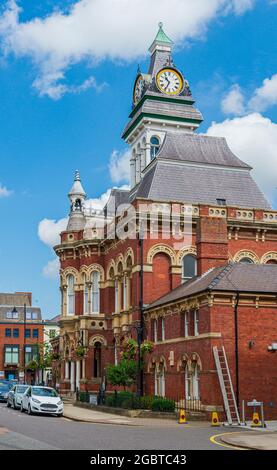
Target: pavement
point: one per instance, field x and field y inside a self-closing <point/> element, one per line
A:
<point x="92" y="416"/>
<point x="251" y="440"/>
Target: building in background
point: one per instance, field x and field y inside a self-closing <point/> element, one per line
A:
<point x="51" y="331"/>
<point x="21" y="334"/>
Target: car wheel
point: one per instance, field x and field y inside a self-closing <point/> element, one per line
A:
<point x="21" y="408"/>
<point x="60" y="415"/>
<point x="8" y="404"/>
<point x="29" y="411"/>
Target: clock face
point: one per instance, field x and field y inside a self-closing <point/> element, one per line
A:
<point x="138" y="89"/>
<point x="169" y="81"/>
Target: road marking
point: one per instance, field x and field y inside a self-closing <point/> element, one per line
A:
<point x="213" y="440"/>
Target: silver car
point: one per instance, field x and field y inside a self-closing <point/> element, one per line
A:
<point x="15" y="396"/>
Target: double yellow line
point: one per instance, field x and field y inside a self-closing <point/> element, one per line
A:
<point x="214" y="441"/>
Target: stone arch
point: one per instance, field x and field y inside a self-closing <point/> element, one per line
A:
<point x="111" y="265"/>
<point x="97" y="339"/>
<point x="246" y="254"/>
<point x="156" y="360"/>
<point x="161" y="249"/>
<point x="119" y="259"/>
<point x="183" y="361"/>
<point x="84" y="271"/>
<point x="98" y="268"/>
<point x="196" y="358"/>
<point x="70" y="270"/>
<point x="129" y="254"/>
<point x="269" y="256"/>
<point x="186" y="250"/>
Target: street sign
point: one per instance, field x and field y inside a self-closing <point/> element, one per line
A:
<point x="254" y="403"/>
<point x="93" y="399"/>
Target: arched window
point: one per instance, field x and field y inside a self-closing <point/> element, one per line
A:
<point x="195" y="381"/>
<point x="187" y="383"/>
<point x="189" y="267"/>
<point x="125" y="293"/>
<point x="70" y="295"/>
<point x="97" y="360"/>
<point x="160" y="380"/>
<point x="95" y="292"/>
<point x="154" y="147"/>
<point x="246" y="261"/>
<point x="86" y="309"/>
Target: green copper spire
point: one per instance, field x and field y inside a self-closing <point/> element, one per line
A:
<point x="161" y="36"/>
<point x="161" y="41"/>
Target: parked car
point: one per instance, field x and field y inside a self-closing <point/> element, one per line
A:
<point x="4" y="390"/>
<point x="15" y="396"/>
<point x="43" y="400"/>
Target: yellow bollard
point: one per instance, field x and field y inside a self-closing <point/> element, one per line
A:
<point x="256" y="423"/>
<point x="182" y="417"/>
<point x="215" y="420"/>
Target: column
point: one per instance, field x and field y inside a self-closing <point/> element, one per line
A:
<point x="78" y="370"/>
<point x="138" y="168"/>
<point x="143" y="159"/>
<point x="147" y="153"/>
<point x="83" y="369"/>
<point x="133" y="171"/>
<point x="72" y="376"/>
<point x="66" y="370"/>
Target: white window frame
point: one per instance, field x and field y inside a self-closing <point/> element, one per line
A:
<point x="70" y="295"/>
<point x="186" y="324"/>
<point x="95" y="292"/>
<point x="196" y="322"/>
<point x="163" y="329"/>
<point x="86" y="296"/>
<point x="155" y="326"/>
<point x="187" y="278"/>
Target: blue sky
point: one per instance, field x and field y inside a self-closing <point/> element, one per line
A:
<point x="64" y="100"/>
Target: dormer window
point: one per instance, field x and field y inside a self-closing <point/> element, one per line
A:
<point x="221" y="202"/>
<point x="154" y="146"/>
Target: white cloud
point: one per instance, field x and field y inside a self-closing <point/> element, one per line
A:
<point x="253" y="138"/>
<point x="4" y="192"/>
<point x="49" y="230"/>
<point x="93" y="30"/>
<point x="119" y="166"/>
<point x="265" y="96"/>
<point x="233" y="101"/>
<point x="51" y="270"/>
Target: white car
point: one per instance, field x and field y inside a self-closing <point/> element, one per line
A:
<point x="42" y="400"/>
<point x="15" y="396"/>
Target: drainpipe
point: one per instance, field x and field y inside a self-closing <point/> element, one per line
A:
<point x="141" y="325"/>
<point x="237" y="349"/>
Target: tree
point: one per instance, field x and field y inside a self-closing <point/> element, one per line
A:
<point x="123" y="374"/>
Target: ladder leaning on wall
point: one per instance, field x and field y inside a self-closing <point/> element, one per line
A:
<point x="226" y="386"/>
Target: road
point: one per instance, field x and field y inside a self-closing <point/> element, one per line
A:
<point x="20" y="431"/>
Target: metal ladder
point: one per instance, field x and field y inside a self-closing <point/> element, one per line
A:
<point x="226" y="386"/>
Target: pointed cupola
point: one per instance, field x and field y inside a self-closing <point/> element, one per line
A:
<point x="77" y="198"/>
<point x="162" y="102"/>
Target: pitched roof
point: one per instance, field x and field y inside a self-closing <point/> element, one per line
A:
<point x="260" y="278"/>
<point x="199" y="149"/>
<point x="200" y="185"/>
<point x="197" y="169"/>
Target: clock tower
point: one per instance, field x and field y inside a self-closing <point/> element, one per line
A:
<point x="162" y="101"/>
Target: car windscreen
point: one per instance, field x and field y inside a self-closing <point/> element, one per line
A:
<point x="44" y="392"/>
<point x="21" y="389"/>
<point x="4" y="387"/>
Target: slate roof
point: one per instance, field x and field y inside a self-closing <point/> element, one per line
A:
<point x="199" y="149"/>
<point x="256" y="278"/>
<point x="20" y="319"/>
<point x="198" y="169"/>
